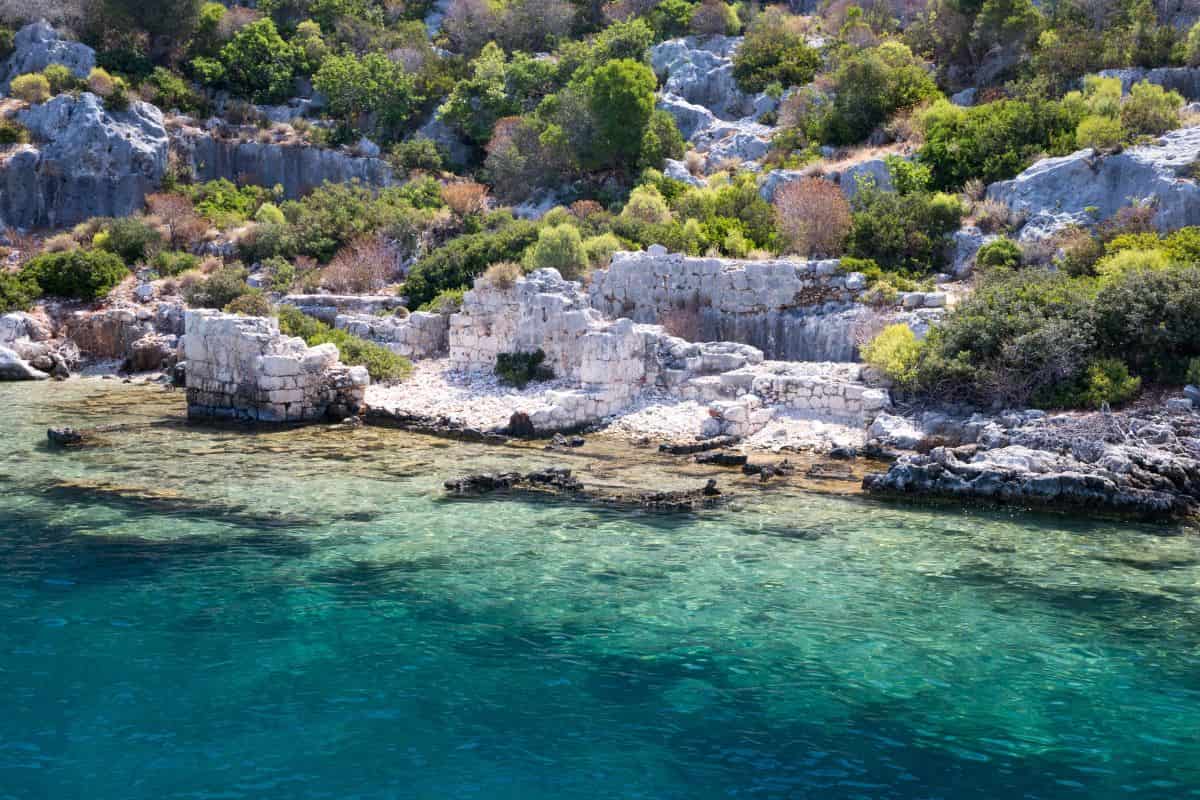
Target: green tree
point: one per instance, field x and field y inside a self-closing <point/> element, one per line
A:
<point x="79" y="274"/>
<point x="621" y="99"/>
<point x="560" y="247"/>
<point x="774" y="51"/>
<point x="258" y="63"/>
<point x="872" y="85"/>
<point x="374" y="84"/>
<point x="496" y="88"/>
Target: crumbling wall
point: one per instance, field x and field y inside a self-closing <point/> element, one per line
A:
<point x="418" y="335"/>
<point x="244" y="368"/>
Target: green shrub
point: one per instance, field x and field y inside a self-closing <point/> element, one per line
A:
<point x="560" y="247"/>
<point x="447" y="301"/>
<point x="1104" y="382"/>
<point x="256" y="63"/>
<point x="171" y="263"/>
<point x="417" y="153"/>
<point x="620" y="96"/>
<point x="457" y="263"/>
<point x="1108" y="382"/>
<point x="661" y="140"/>
<point x="219" y="289"/>
<point x="999" y="254"/>
<point x="12" y="132"/>
<point x="251" y="304"/>
<point x="269" y="214"/>
<point x="31" y="87"/>
<point x="600" y="249"/>
<point x="355" y="86"/>
<point x="225" y="204"/>
<point x="7" y="42"/>
<point x="282" y="272"/>
<point x="60" y="78"/>
<point x="382" y="364"/>
<point x="894" y="352"/>
<point x="992" y="141"/>
<point x="1150" y="319"/>
<point x="1192" y="376"/>
<point x="1117" y="264"/>
<point x="1100" y="133"/>
<point x="131" y="238"/>
<point x="903" y="232"/>
<point x="18" y="290"/>
<point x="169" y="91"/>
<point x="79" y="274"/>
<point x="774" y="50"/>
<point x="870" y="86"/>
<point x="1150" y="110"/>
<point x="519" y="369"/>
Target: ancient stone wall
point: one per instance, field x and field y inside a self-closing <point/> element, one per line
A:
<point x="791" y="310"/>
<point x="244" y="368"/>
<point x="418" y="335"/>
<point x="794" y="310"/>
<point x="327" y="307"/>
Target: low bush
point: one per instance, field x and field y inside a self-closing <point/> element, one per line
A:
<point x="78" y="274"/>
<point x="382" y="364"/>
<point x="519" y="369"/>
<point x="365" y="265"/>
<point x="169" y="263"/>
<point x="503" y="275"/>
<point x="12" y="132"/>
<point x="131" y="238"/>
<point x="251" y="304"/>
<point x="813" y="218"/>
<point x="774" y="50"/>
<point x="999" y="254"/>
<point x="457" y="263"/>
<point x="417" y="153"/>
<point x="31" y="87"/>
<point x="1192" y="376"/>
<point x="559" y="247"/>
<point x="903" y="232"/>
<point x="894" y="352"/>
<point x="219" y="289"/>
<point x="1105" y="382"/>
<point x="18" y="290"/>
<point x="447" y="301"/>
<point x="60" y="77"/>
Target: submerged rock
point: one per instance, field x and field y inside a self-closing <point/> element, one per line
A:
<point x="560" y="482"/>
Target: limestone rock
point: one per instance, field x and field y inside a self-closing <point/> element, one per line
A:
<point x="87" y="162"/>
<point x="967" y="242"/>
<point x="297" y="168"/>
<point x="1084" y="187"/>
<point x="37" y="46"/>
<point x="690" y="118"/>
<point x="895" y="431"/>
<point x="14" y="368"/>
<point x="678" y="171"/>
<point x="700" y="71"/>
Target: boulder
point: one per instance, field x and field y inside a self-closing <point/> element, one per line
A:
<point x="700" y="71"/>
<point x="967" y="242"/>
<point x="14" y="368"/>
<point x="87" y="162"/>
<point x="37" y="46"/>
<point x="690" y="118"/>
<point x="895" y="431"/>
<point x="678" y="171"/>
<point x="152" y="353"/>
<point x="1085" y="187"/>
<point x="872" y="171"/>
<point x="456" y="149"/>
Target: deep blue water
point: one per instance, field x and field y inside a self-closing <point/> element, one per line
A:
<point x="202" y="613"/>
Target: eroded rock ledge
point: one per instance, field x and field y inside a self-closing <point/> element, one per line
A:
<point x="1103" y="462"/>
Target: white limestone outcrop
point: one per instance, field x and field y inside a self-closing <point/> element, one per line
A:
<point x="1087" y="187"/>
<point x="244" y="368"/>
<point x="86" y="162"/>
<point x="37" y="46"/>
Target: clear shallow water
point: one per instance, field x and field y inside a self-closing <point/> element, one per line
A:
<point x="201" y="613"/>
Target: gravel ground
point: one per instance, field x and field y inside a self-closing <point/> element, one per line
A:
<point x="480" y="400"/>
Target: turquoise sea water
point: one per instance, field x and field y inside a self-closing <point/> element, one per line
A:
<point x="205" y="613"/>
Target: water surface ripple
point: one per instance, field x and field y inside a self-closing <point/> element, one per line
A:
<point x="201" y="613"/>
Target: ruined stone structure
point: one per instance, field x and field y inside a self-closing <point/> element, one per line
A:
<point x="327" y="307"/>
<point x="615" y="361"/>
<point x="418" y="335"/>
<point x="791" y="310"/>
<point x="244" y="368"/>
